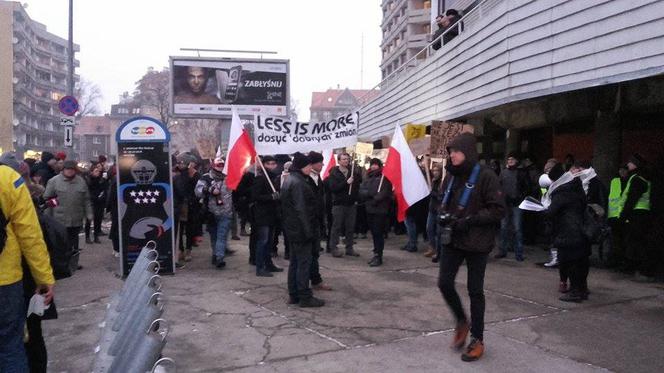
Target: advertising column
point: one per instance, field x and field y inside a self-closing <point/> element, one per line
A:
<point x="145" y="192"/>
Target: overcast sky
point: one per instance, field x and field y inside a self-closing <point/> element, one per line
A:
<point x="322" y="38"/>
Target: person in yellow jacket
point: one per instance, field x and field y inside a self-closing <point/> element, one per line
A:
<point x="23" y="239"/>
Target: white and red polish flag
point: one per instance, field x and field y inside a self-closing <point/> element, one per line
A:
<point x="241" y="153"/>
<point x="402" y="171"/>
<point x="329" y="162"/>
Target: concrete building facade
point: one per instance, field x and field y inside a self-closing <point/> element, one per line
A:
<point x="540" y="77"/>
<point x="33" y="75"/>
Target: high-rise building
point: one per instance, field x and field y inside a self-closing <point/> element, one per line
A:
<point x="407" y="27"/>
<point x="33" y="78"/>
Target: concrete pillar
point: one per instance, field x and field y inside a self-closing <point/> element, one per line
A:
<point x="607" y="149"/>
<point x="512" y="141"/>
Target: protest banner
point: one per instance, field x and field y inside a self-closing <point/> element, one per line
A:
<point x="420" y="145"/>
<point x="277" y="135"/>
<point x="414" y="131"/>
<point x="442" y="133"/>
<point x="207" y="147"/>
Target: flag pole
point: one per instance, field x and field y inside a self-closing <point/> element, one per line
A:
<point x="380" y="185"/>
<point x="258" y="160"/>
<point x="427" y="170"/>
<point x="352" y="173"/>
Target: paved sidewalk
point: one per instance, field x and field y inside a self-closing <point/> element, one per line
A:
<point x="386" y="319"/>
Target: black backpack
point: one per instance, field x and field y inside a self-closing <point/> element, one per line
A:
<point x="55" y="237"/>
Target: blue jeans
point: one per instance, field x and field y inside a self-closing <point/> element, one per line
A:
<point x="432" y="229"/>
<point x="264" y="242"/>
<point x="12" y="319"/>
<point x="219" y="235"/>
<point x="513" y="218"/>
<point x="411" y="230"/>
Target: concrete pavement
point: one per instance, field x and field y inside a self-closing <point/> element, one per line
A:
<point x="386" y="319"/>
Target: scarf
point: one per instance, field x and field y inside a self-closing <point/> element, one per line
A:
<point x="585" y="176"/>
<point x="216" y="175"/>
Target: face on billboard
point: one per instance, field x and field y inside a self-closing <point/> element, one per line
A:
<point x="208" y="88"/>
<point x="196" y="78"/>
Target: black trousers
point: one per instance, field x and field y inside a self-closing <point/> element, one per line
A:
<point x="98" y="216"/>
<point x="35" y="348"/>
<point x="377" y="225"/>
<point x="450" y="261"/>
<point x="316" y="278"/>
<point x="577" y="271"/>
<point x="299" y="270"/>
<point x="72" y="238"/>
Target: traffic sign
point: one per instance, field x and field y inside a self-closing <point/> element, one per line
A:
<point x="68" y="105"/>
<point x="67" y="121"/>
<point x="69" y="136"/>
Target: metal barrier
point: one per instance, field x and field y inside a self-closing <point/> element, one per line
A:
<point x="133" y="334"/>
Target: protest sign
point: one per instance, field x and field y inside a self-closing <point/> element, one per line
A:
<point x="277" y="135"/>
<point x="414" y="131"/>
<point x="442" y="133"/>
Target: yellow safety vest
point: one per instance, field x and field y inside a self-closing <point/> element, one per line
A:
<point x="644" y="201"/>
<point x="615" y="199"/>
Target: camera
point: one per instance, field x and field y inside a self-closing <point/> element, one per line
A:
<point x="445" y="220"/>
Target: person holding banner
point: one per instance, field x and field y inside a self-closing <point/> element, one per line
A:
<point x="316" y="184"/>
<point x="344" y="183"/>
<point x="218" y="201"/>
<point x="376" y="192"/>
<point x="265" y="211"/>
<point x="299" y="217"/>
<point x="471" y="210"/>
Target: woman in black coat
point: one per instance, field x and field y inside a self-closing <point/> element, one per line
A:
<point x="566" y="212"/>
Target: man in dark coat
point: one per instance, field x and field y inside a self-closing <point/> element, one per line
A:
<point x="344" y="185"/>
<point x="46" y="169"/>
<point x="566" y="213"/>
<point x="299" y="219"/>
<point x="265" y="212"/>
<point x="474" y="228"/>
<point x="98" y="187"/>
<point x="444" y="22"/>
<point x="376" y="192"/>
<point x="635" y="217"/>
<point x="316" y="183"/>
<point x="242" y="194"/>
<point x="515" y="184"/>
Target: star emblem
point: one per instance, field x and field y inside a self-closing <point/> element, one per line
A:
<point x="133" y="194"/>
<point x="156" y="193"/>
<point x="148" y="193"/>
<point x="140" y="194"/>
<point x="145" y="200"/>
<point x="137" y="200"/>
<point x="153" y="200"/>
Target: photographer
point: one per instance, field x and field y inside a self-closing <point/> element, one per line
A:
<point x="218" y="205"/>
<point x="471" y="210"/>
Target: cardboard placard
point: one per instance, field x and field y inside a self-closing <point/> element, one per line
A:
<point x="442" y="133"/>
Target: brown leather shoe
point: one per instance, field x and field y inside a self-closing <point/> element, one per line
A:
<point x="474" y="351"/>
<point x="460" y="335"/>
<point x="322" y="286"/>
<point x="429" y="253"/>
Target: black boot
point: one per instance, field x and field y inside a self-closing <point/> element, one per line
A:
<point x="96" y="240"/>
<point x="88" y="240"/>
<point x="376" y="261"/>
<point x="311" y="302"/>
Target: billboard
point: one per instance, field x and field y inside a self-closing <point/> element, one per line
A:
<point x="208" y="87"/>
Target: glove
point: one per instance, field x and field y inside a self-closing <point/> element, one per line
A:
<point x="275" y="196"/>
<point x="462" y="225"/>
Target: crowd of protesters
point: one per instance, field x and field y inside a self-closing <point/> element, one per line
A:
<point x="474" y="206"/>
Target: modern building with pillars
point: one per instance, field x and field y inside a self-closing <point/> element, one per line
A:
<point x="407" y="26"/>
<point x="33" y="77"/>
<point x="545" y="78"/>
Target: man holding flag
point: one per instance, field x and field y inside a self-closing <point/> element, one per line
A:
<point x="470" y="214"/>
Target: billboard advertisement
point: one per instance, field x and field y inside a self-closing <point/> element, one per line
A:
<point x="208" y="87"/>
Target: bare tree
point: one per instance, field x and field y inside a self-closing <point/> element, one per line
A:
<point x="88" y="94"/>
<point x="152" y="92"/>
